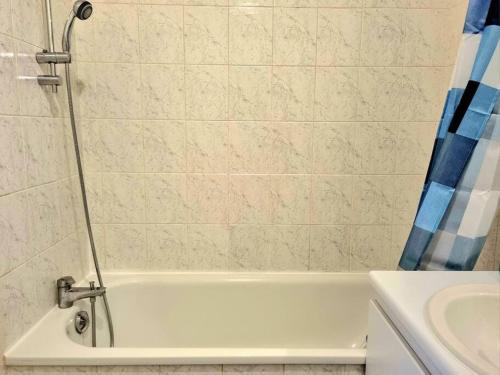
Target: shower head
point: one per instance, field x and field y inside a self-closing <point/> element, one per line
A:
<point x="82" y="10"/>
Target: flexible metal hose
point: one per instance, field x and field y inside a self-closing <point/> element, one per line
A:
<point x="85" y="203"/>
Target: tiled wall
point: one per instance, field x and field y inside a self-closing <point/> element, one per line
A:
<point x="39" y="211"/>
<point x="291" y="137"/>
<point x="197" y="370"/>
<point x="261" y="135"/>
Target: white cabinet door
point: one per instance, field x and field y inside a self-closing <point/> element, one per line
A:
<point x="387" y="351"/>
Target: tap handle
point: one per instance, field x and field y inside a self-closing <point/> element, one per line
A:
<point x="65" y="282"/>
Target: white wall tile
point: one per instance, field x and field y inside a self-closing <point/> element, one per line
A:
<point x="339" y="36"/>
<point x="161" y="31"/>
<point x="9" y="101"/>
<point x="294" y="36"/>
<point x="206" y="35"/>
<point x="206" y="92"/>
<point x="250" y="35"/>
<point x="12" y="163"/>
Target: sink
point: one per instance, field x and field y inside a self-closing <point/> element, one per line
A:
<point x="466" y="318"/>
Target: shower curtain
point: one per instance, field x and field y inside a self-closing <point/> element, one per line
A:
<point x="462" y="188"/>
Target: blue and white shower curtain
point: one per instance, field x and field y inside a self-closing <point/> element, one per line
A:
<point x="462" y="188"/>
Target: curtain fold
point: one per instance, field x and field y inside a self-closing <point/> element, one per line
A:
<point x="462" y="188"/>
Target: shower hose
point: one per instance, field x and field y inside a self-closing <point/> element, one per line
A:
<point x="85" y="205"/>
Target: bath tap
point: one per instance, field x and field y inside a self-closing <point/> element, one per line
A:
<point x="67" y="294"/>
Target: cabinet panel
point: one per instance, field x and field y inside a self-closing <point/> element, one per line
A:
<point x="387" y="351"/>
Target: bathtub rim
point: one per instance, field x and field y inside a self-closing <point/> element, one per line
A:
<point x="70" y="353"/>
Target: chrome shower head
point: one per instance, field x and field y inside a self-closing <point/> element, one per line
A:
<point x="82" y="9"/>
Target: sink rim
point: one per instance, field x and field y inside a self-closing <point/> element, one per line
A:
<point x="435" y="313"/>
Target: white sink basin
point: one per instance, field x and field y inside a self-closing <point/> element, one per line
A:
<point x="466" y="318"/>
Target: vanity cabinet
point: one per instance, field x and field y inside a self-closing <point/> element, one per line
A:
<point x="387" y="351"/>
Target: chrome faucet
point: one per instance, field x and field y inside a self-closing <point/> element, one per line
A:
<point x="67" y="294"/>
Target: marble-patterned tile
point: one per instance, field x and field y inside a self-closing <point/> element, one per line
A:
<point x="386" y="3"/>
<point x="446" y="4"/>
<point x="324" y="369"/>
<point x="370" y="248"/>
<point x="161" y="32"/>
<point x="43" y="142"/>
<point x="167" y="247"/>
<point x="250" y="35"/>
<point x="250" y="92"/>
<point x="294" y="33"/>
<point x="126" y="247"/>
<point x="251" y="3"/>
<point x="373" y="199"/>
<point x="296" y="3"/>
<point x="250" y="147"/>
<point x="407" y="191"/>
<point x="375" y="147"/>
<point x="164" y="146"/>
<point x="249" y="199"/>
<point x="329" y="248"/>
<point x="293" y="93"/>
<point x="333" y="147"/>
<point x="291" y="147"/>
<point x="207" y="196"/>
<point x="43" y="217"/>
<point x="207" y="147"/>
<point x="206" y="35"/>
<point x="290" y="199"/>
<point x="85" y="89"/>
<point x="340" y="3"/>
<point x="429" y="40"/>
<point x="27" y="21"/>
<point x="339" y="36"/>
<point x="53" y="370"/>
<point x="200" y="2"/>
<point x="382" y="39"/>
<point x="423" y="93"/>
<point x="249" y="247"/>
<point x="119" y="90"/>
<point x="9" y="101"/>
<point x="5" y="17"/>
<point x="191" y="370"/>
<point x="253" y="369"/>
<point x="163" y="94"/>
<point x="91" y="146"/>
<point x="12" y="167"/>
<point x="67" y="194"/>
<point x="289" y="248"/>
<point x="14" y="231"/>
<point x="331" y="199"/>
<point x="122" y="145"/>
<point x="380" y="93"/>
<point x="18" y="294"/>
<point x="414" y="147"/>
<point x="399" y="236"/>
<point x="337" y="94"/>
<point x="133" y="370"/>
<point x="117" y="27"/>
<point x="208" y="246"/>
<point x="123" y="198"/>
<point x="95" y="198"/>
<point x="206" y="92"/>
<point x="166" y="198"/>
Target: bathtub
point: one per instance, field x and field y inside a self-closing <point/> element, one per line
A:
<point x="211" y="318"/>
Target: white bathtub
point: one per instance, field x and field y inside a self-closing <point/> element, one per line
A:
<point x="212" y="318"/>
